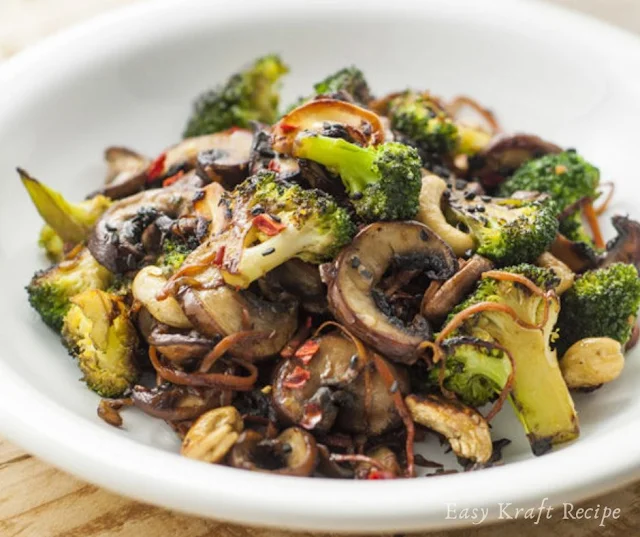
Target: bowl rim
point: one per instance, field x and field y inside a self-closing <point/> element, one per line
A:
<point x="36" y="422"/>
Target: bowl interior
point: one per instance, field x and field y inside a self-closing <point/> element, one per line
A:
<point x="133" y="83"/>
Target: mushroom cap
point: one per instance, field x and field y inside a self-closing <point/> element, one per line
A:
<point x="361" y="265"/>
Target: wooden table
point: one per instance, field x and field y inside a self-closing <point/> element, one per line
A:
<point x="37" y="500"/>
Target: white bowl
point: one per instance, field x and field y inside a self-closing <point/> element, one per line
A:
<point x="128" y="78"/>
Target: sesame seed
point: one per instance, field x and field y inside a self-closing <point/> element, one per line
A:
<point x="268" y="251"/>
<point x="470" y="196"/>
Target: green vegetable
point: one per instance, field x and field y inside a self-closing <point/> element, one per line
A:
<point x="507" y="231"/>
<point x="72" y="222"/>
<point x="51" y="243"/>
<point x="348" y="80"/>
<point x="251" y="95"/>
<point x="566" y="177"/>
<point x="306" y="224"/>
<point x="50" y="291"/>
<point x="174" y="252"/>
<point x="98" y="332"/>
<point x="539" y="394"/>
<point x="383" y="182"/>
<point x="475" y="370"/>
<point x="601" y="303"/>
<point x="424" y="125"/>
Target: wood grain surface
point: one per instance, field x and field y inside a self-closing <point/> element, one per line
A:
<point x="37" y="500"/>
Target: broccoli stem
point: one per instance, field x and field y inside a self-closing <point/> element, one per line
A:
<point x="352" y="163"/>
<point x="540" y="396"/>
<point x="257" y="260"/>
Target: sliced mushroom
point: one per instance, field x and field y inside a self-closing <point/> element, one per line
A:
<point x="212" y="435"/>
<point x="560" y="269"/>
<point x="296" y="279"/>
<point x="592" y="362"/>
<point x="227" y="162"/>
<point x="176" y="403"/>
<point x="221" y="311"/>
<point x="575" y="255"/>
<point x="388" y="466"/>
<point x="314" y="115"/>
<point x="263" y="157"/>
<point x="211" y="203"/>
<point x="147" y="285"/>
<point x="232" y="145"/>
<point x="293" y="452"/>
<point x="438" y="302"/>
<point x="117" y="239"/>
<point x="625" y="248"/>
<point x="465" y="429"/>
<point x="335" y="390"/>
<point x="360" y="267"/>
<point x="430" y="214"/>
<point x="505" y="154"/>
<point x="126" y="173"/>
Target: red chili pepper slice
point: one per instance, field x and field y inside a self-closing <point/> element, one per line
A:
<point x="287" y="128"/>
<point x="156" y="167"/>
<point x="307" y="351"/>
<point x="170" y="180"/>
<point x="217" y="261"/>
<point x="379" y="474"/>
<point x="274" y="166"/>
<point x="268" y="225"/>
<point x="297" y="378"/>
<point x="312" y="416"/>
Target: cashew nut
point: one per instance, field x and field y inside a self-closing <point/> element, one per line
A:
<point x="591" y="362"/>
<point x="561" y="270"/>
<point x="431" y="215"/>
<point x="213" y="435"/>
<point x="465" y="429"/>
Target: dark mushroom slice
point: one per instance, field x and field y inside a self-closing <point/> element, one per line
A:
<point x="625" y="248"/>
<point x="126" y="173"/>
<point x="227" y="162"/>
<point x="336" y="390"/>
<point x="221" y="311"/>
<point x="439" y="301"/>
<point x="118" y="238"/>
<point x="176" y="403"/>
<point x="578" y="256"/>
<point x="263" y="157"/>
<point x="183" y="156"/>
<point x="315" y="115"/>
<point x="358" y="269"/>
<point x="299" y="280"/>
<point x="505" y="154"/>
<point x="175" y="344"/>
<point x="386" y="464"/>
<point x="294" y="452"/>
<point x="330" y="468"/>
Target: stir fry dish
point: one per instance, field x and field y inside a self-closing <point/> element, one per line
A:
<point x="312" y="292"/>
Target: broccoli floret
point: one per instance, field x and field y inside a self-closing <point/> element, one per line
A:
<point x="346" y="84"/>
<point x="566" y="177"/>
<point x="601" y="303"/>
<point x="174" y="252"/>
<point x="539" y="394"/>
<point x="250" y="95"/>
<point x="383" y="182"/>
<point x="97" y="331"/>
<point x="350" y="80"/>
<point x="477" y="371"/>
<point x="51" y="243"/>
<point x="50" y="291"/>
<point x="72" y="222"/>
<point x="507" y="231"/>
<point x="424" y="125"/>
<point x="286" y="221"/>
